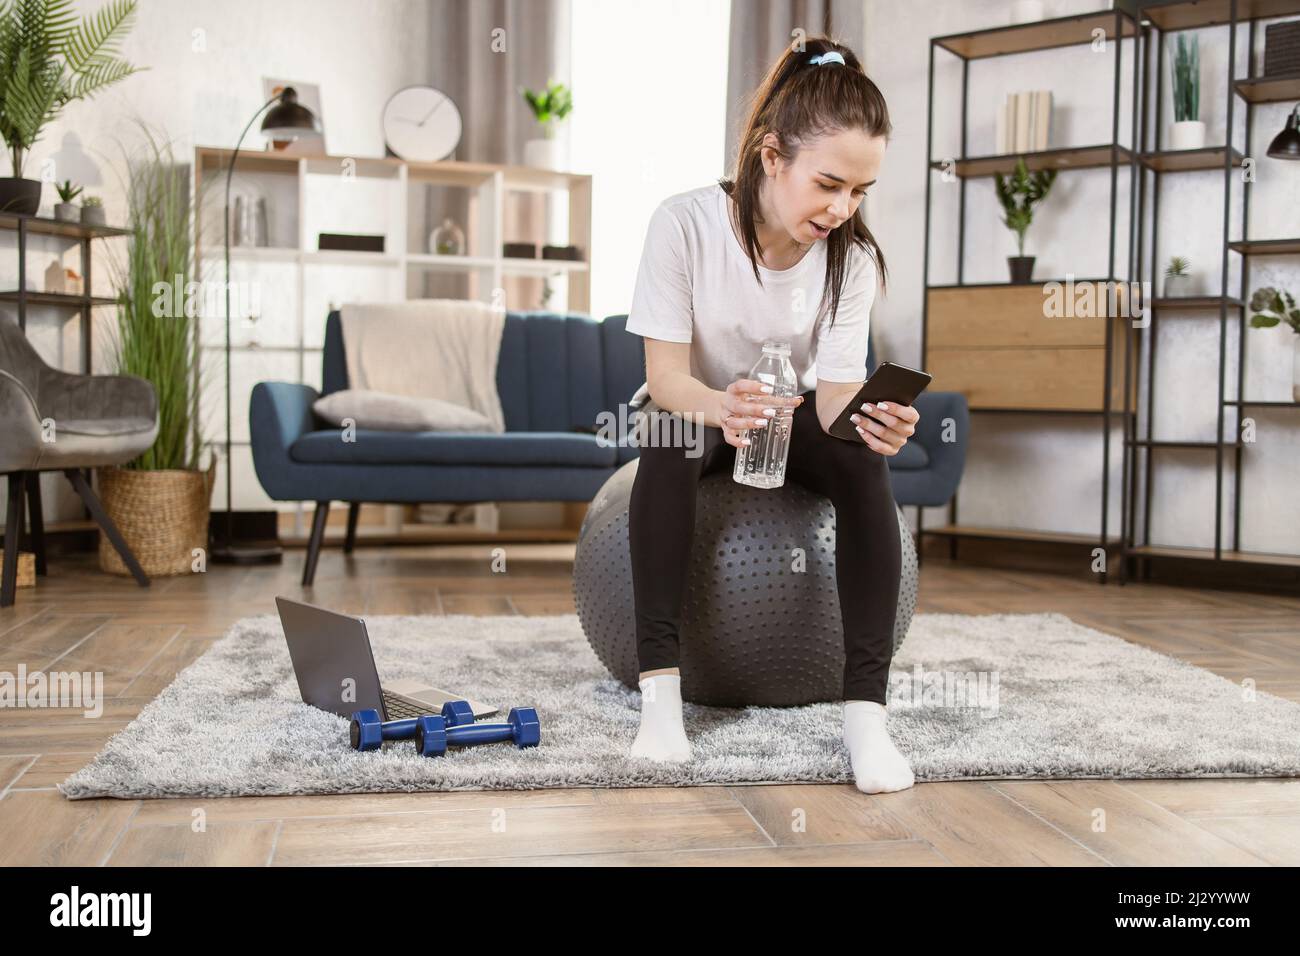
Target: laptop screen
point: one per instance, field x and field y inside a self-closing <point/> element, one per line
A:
<point x="331" y="658"/>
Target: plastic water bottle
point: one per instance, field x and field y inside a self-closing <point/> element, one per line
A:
<point x="761" y="463"/>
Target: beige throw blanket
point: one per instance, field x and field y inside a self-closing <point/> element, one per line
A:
<point x="427" y="348"/>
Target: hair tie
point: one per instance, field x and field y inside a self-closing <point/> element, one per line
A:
<point x="830" y="56"/>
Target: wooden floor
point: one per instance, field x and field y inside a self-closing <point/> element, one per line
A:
<point x="80" y="619"/>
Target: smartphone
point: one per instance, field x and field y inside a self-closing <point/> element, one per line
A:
<point x="889" y="383"/>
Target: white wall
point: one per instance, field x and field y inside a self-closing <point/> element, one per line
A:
<point x="206" y="61"/>
<point x="1044" y="471"/>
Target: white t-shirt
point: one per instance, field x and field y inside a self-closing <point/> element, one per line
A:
<point x="696" y="284"/>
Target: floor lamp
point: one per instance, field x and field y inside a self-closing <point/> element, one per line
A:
<point x="287" y="120"/>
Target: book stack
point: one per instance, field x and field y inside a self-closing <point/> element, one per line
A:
<point x="1024" y="122"/>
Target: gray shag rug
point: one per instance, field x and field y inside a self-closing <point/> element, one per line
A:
<point x="1059" y="701"/>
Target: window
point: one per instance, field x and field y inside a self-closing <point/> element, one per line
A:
<point x="649" y="120"/>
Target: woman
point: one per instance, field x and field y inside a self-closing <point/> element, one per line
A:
<point x="777" y="253"/>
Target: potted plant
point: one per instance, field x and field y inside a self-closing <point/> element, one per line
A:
<point x="92" y="211"/>
<point x="1188" y="132"/>
<point x="1273" y="307"/>
<point x="1178" y="281"/>
<point x="67" y="209"/>
<point x="160" y="501"/>
<point x="549" y="107"/>
<point x="46" y="62"/>
<point x="1018" y="196"/>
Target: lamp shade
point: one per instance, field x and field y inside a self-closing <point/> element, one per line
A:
<point x="1286" y="144"/>
<point x="289" y="119"/>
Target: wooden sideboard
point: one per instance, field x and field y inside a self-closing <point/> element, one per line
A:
<point x="1002" y="347"/>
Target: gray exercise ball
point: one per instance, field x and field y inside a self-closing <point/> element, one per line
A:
<point x="754" y="630"/>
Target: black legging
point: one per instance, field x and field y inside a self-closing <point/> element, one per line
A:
<point x="868" y="557"/>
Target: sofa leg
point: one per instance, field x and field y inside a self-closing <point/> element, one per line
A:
<point x="92" y="502"/>
<point x="36" y="521"/>
<point x="350" y="542"/>
<point x="13" y="539"/>
<point x="314" y="543"/>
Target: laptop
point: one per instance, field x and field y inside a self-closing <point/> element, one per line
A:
<point x="331" y="653"/>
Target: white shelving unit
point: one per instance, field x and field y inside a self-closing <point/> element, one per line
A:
<point x="290" y="286"/>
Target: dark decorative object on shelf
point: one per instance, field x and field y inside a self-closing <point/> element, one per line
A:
<point x="350" y="242"/>
<point x="1021" y="268"/>
<point x="567" y="253"/>
<point x="1282" y="48"/>
<point x="1286" y="144"/>
<point x="286" y="119"/>
<point x="519" y="250"/>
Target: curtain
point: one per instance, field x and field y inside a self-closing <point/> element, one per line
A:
<point x="760" y="31"/>
<point x="480" y="54"/>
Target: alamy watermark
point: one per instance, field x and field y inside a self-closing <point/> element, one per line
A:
<point x="74" y="689"/>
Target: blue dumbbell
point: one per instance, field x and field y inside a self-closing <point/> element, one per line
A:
<point x="369" y="731"/>
<point x="433" y="734"/>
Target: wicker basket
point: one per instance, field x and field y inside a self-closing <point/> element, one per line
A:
<point x="162" y="515"/>
<point x="26" y="568"/>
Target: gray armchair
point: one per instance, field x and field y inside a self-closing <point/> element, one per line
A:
<point x="57" y="421"/>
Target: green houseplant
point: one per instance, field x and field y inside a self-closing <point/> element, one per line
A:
<point x="66" y="209"/>
<point x="48" y="60"/>
<point x="1178" y="280"/>
<point x="549" y="106"/>
<point x="1018" y="195"/>
<point x="1188" y="131"/>
<point x="1271" y="308"/>
<point x="92" y="211"/>
<point x="160" y="501"/>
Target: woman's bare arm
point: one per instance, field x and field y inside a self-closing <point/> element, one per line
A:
<point x="674" y="389"/>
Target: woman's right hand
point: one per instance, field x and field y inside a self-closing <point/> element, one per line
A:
<point x="741" y="408"/>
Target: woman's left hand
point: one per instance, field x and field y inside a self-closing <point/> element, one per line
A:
<point x="899" y="424"/>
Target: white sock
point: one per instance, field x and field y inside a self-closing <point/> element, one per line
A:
<point x="878" y="767"/>
<point x="662" y="736"/>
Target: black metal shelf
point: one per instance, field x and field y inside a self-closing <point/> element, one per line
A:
<point x="65" y="300"/>
<point x="1110" y="156"/>
<point x="1039" y="35"/>
<point x="1194" y="302"/>
<point x="1266" y="247"/>
<point x="1084" y="412"/>
<point x="1270" y="89"/>
<point x="1189" y="160"/>
<point x="44" y="226"/>
<point x="1172" y="443"/>
<point x="1018" y="534"/>
<point x="1171" y="16"/>
<point x="1207" y="554"/>
<point x="1069" y="157"/>
<point x="1262" y="404"/>
<point x="1001" y="285"/>
<point x="82" y="234"/>
<point x="1160" y="18"/>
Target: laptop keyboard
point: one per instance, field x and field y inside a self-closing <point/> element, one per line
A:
<point x="399" y="709"/>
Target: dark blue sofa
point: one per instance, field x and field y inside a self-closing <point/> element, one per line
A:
<point x="556" y="374"/>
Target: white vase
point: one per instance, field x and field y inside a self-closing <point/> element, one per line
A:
<point x="1177" y="287"/>
<point x="542" y="154"/>
<point x="1187" y="134"/>
<point x="1026" y="11"/>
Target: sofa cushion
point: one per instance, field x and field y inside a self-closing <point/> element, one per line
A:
<point x="399" y="413"/>
<point x="454" y="448"/>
